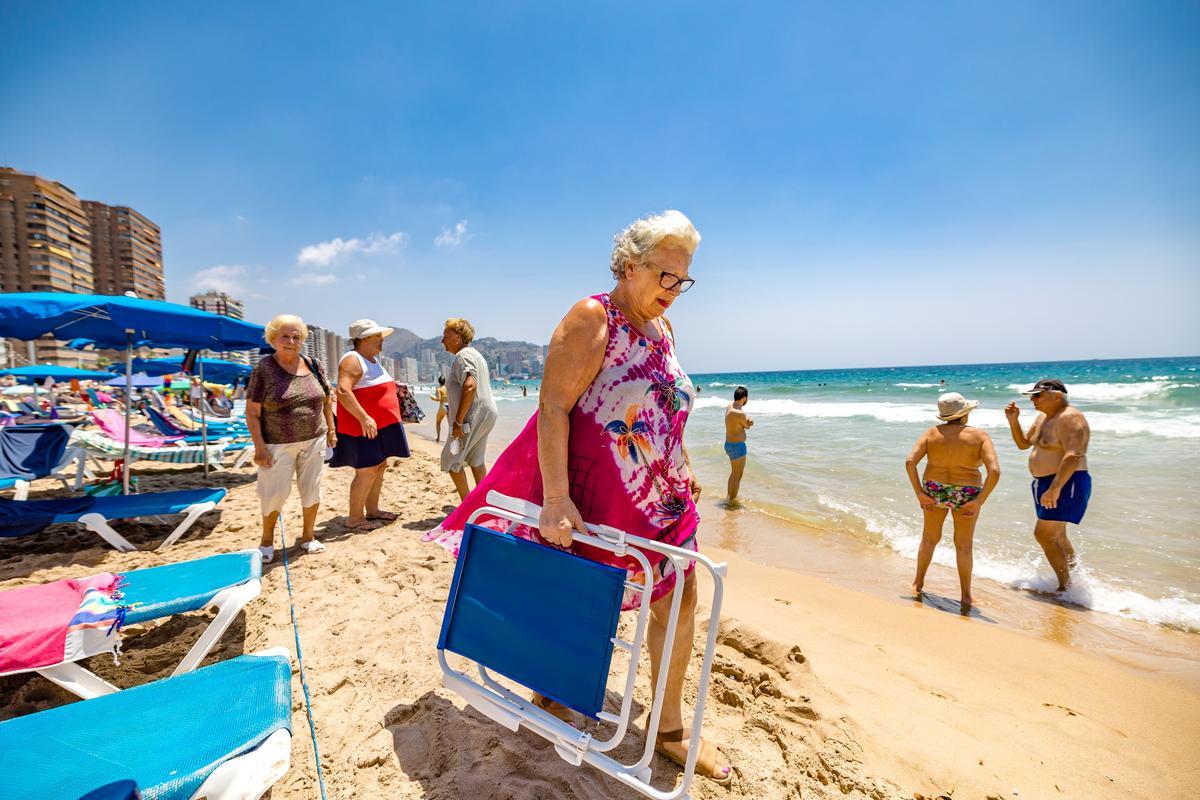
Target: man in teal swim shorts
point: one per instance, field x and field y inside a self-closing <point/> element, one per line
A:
<point x="736" y="425"/>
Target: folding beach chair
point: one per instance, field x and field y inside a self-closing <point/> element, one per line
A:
<point x="225" y="582"/>
<point x="220" y="733"/>
<point x="557" y="636"/>
<point x="23" y="517"/>
<point x="29" y="452"/>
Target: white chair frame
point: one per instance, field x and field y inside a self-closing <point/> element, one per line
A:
<point x="573" y="745"/>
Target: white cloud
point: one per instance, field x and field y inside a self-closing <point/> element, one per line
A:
<point x="314" y="279"/>
<point x="325" y="254"/>
<point x="452" y="237"/>
<point x="228" y="278"/>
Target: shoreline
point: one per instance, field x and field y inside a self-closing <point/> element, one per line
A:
<point x="841" y="558"/>
<point x="821" y="691"/>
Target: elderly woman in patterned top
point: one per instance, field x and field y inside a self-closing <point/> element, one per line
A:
<point x="606" y="445"/>
<point x="290" y="416"/>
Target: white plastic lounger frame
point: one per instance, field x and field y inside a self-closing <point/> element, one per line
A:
<point x="71" y="454"/>
<point x="228" y="602"/>
<point x="250" y="775"/>
<point x="98" y="524"/>
<point x="512" y="711"/>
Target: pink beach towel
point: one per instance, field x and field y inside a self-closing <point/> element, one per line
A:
<point x="113" y="424"/>
<point x="35" y="620"/>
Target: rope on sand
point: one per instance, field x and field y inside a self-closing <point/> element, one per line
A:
<point x="300" y="660"/>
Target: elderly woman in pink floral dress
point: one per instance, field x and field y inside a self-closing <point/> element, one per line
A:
<point x="606" y="444"/>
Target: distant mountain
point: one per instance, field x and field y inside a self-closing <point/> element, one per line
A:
<point x="505" y="358"/>
<point x="401" y="341"/>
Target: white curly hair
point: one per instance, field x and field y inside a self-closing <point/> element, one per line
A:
<point x="633" y="244"/>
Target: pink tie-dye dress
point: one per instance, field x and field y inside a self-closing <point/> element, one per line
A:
<point x="625" y="453"/>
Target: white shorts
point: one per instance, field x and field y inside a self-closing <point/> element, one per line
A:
<point x="304" y="460"/>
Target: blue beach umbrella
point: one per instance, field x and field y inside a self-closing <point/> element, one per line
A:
<point x="37" y="373"/>
<point x="140" y="380"/>
<point x="215" y="369"/>
<point x="118" y="321"/>
<point x="114" y="321"/>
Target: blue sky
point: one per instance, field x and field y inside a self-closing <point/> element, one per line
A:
<point x="875" y="183"/>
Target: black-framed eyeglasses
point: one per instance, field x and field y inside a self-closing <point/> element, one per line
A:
<point x="669" y="280"/>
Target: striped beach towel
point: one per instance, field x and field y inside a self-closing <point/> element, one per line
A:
<point x="57" y="622"/>
<point x="102" y="445"/>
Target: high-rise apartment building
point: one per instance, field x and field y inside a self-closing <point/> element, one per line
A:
<point x="126" y="252"/>
<point x="45" y="246"/>
<point x="226" y="306"/>
<point x="51" y="241"/>
<point x="335" y="348"/>
<point x="315" y="347"/>
<point x="219" y="303"/>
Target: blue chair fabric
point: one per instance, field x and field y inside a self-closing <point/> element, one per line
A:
<point x="171" y="589"/>
<point x="23" y="517"/>
<point x="167" y="736"/>
<point x="540" y="616"/>
<point x="32" y="451"/>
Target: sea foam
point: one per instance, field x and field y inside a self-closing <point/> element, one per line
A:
<point x="1086" y="590"/>
<point x="1112" y="392"/>
<point x="1166" y="424"/>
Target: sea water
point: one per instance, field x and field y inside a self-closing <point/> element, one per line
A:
<point x="828" y="449"/>
<point x="827" y="454"/>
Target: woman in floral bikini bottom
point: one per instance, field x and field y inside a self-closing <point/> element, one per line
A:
<point x="955" y="452"/>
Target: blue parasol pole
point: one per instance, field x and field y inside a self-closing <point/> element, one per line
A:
<point x="128" y="410"/>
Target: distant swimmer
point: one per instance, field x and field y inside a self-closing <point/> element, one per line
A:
<point x="736" y="425"/>
<point x="443" y="400"/>
<point x="954" y="453"/>
<point x="1061" y="483"/>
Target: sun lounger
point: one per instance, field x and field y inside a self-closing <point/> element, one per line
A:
<point x="112" y="424"/>
<point x="557" y="636"/>
<point x="100" y="445"/>
<point x="23" y="517"/>
<point x="29" y="452"/>
<point x="225" y="582"/>
<point x="220" y="733"/>
<point x="190" y="424"/>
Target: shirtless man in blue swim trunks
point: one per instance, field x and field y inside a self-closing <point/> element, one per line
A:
<point x="954" y="452"/>
<point x="1061" y="483"/>
<point x="736" y="425"/>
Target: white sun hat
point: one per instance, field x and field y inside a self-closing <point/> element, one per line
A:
<point x="953" y="405"/>
<point x="362" y="328"/>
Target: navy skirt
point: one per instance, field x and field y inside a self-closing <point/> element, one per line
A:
<point x="361" y="453"/>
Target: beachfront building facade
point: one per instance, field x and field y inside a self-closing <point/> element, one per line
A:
<point x="126" y="252"/>
<point x="45" y="246"/>
<point x="221" y="303"/>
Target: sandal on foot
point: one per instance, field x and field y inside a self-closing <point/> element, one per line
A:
<point x="267" y="553"/>
<point x="312" y="546"/>
<point x="553" y="708"/>
<point x="706" y="759"/>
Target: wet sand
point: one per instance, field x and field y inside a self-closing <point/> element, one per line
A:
<point x="822" y="691"/>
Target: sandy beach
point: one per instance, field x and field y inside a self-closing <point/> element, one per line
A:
<point x="820" y="691"/>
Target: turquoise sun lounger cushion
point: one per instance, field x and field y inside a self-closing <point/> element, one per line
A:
<point x="167" y="736"/>
<point x="541" y="616"/>
<point x="21" y="517"/>
<point x="171" y="589"/>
